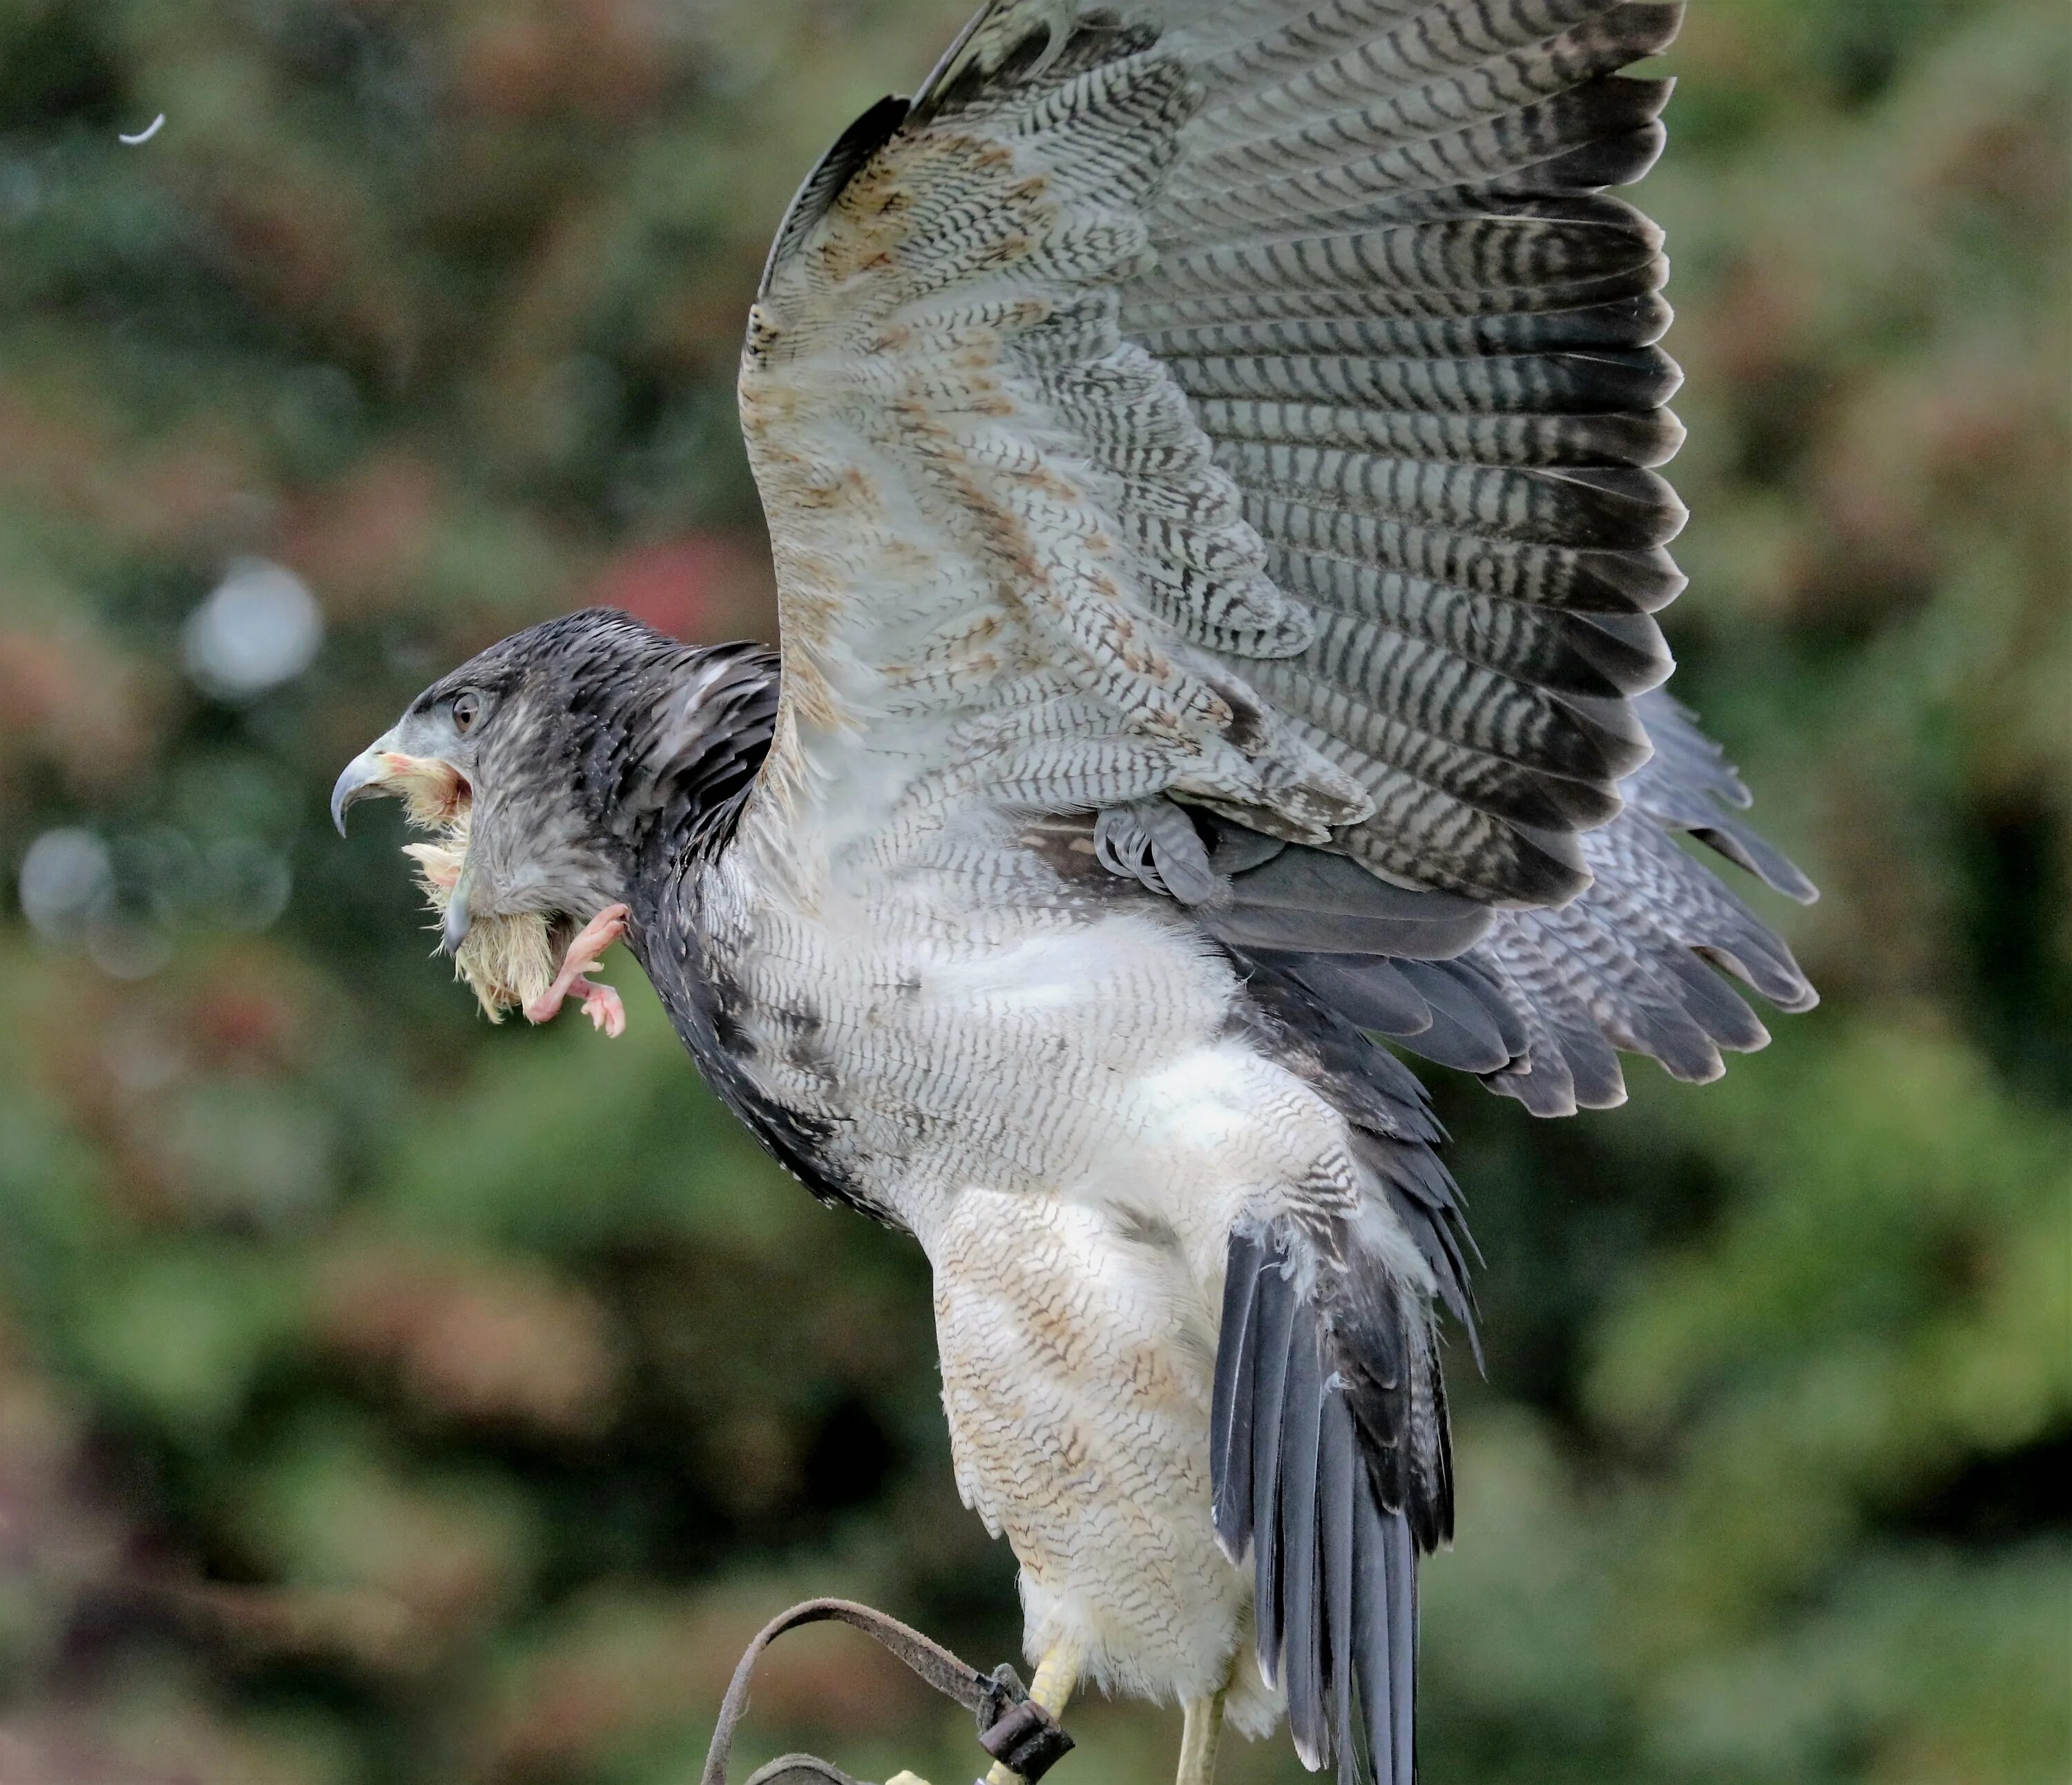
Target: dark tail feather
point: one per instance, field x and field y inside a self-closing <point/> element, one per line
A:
<point x="1296" y="1476"/>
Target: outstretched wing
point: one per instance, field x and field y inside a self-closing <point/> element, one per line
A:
<point x="1238" y="419"/>
<point x="1237" y="404"/>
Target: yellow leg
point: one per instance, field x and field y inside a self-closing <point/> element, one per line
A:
<point x="1202" y="1724"/>
<point x="1056" y="1674"/>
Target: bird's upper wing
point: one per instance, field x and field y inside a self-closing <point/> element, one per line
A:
<point x="1236" y="402"/>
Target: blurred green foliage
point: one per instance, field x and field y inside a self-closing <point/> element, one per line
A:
<point x="386" y="1398"/>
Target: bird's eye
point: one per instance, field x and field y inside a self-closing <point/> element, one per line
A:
<point x="466" y="709"/>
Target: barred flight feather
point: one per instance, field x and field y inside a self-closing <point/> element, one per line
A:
<point x="1545" y="647"/>
<point x="1308" y="178"/>
<point x="1633" y="322"/>
<point x="1423" y="436"/>
<point x="1552" y="385"/>
<point x="1408" y="110"/>
<point x="1144" y="312"/>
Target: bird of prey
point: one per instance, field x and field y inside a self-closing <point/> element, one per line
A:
<point x="1208" y="451"/>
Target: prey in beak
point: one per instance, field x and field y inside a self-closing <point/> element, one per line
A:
<point x="524" y="960"/>
<point x="600" y="1003"/>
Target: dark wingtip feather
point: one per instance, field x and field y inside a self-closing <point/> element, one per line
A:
<point x="1716" y="1010"/>
<point x="1547" y="867"/>
<point x="1542" y="1084"/>
<point x="1474" y="980"/>
<point x="1748" y="850"/>
<point x="1648" y="581"/>
<point x="1772" y="971"/>
<point x="1615" y="730"/>
<point x="1597" y="1081"/>
<point x="1628" y="648"/>
<point x="1372" y="1666"/>
<point x="1640" y="28"/>
<point x="1640" y="320"/>
<point x="1613" y="161"/>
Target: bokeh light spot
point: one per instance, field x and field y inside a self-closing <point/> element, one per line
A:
<point x="259" y="628"/>
<point x="67" y="880"/>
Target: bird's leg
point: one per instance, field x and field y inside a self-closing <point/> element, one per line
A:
<point x="1056" y="1674"/>
<point x="600" y="1003"/>
<point x="1202" y="1724"/>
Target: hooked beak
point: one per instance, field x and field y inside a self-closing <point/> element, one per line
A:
<point x="371" y="772"/>
<point x="433" y="789"/>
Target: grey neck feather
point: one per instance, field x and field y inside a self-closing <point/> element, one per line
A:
<point x="664" y="740"/>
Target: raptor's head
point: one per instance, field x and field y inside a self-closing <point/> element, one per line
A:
<point x="554" y="770"/>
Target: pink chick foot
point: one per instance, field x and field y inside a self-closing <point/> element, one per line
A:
<point x="602" y="1006"/>
<point x="600" y="1003"/>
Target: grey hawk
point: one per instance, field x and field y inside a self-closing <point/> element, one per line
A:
<point x="1208" y="451"/>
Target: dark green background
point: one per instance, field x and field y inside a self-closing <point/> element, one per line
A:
<point x="388" y="1398"/>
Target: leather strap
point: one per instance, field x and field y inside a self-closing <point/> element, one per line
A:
<point x="1013" y="1728"/>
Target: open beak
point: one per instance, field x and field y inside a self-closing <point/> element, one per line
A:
<point x="433" y="789"/>
<point x="436" y="795"/>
